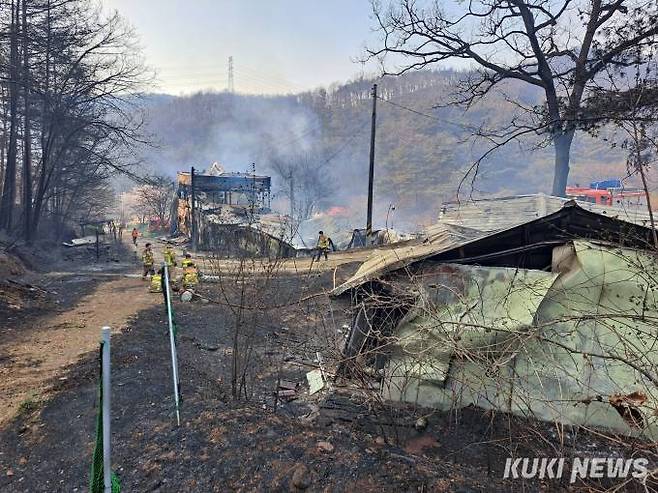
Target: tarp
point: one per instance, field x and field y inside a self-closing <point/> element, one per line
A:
<point x="575" y="345"/>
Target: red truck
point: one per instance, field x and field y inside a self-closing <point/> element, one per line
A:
<point x="607" y="193"/>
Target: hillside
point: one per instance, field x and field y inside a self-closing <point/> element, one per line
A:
<point x="420" y="158"/>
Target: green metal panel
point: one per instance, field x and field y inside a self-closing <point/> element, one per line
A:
<point x="553" y="345"/>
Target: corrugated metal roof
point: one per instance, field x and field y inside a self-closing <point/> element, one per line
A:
<point x="444" y="237"/>
<point x="437" y="238"/>
<point x="500" y="213"/>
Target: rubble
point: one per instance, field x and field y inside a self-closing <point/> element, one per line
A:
<point x="86" y="240"/>
<point x="232" y="214"/>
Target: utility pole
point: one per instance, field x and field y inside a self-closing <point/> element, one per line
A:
<point x="292" y="204"/>
<point x="193" y="210"/>
<point x="231" y="81"/>
<point x="371" y="172"/>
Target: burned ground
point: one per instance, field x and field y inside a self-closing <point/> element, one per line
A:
<point x="260" y="441"/>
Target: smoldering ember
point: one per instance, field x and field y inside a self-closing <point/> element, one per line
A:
<point x="360" y="246"/>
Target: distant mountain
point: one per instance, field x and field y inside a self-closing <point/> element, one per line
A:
<point x="421" y="155"/>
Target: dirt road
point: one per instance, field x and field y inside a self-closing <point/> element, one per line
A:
<point x="38" y="347"/>
<point x="34" y="353"/>
<point x="37" y="353"/>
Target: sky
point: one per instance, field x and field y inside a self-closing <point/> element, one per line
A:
<point x="278" y="46"/>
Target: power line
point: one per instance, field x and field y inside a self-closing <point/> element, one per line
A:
<point x="210" y="69"/>
<point x="266" y="81"/>
<point x="431" y="117"/>
<point x="273" y="81"/>
<point x="273" y="78"/>
<point x="201" y="74"/>
<point x="347" y="142"/>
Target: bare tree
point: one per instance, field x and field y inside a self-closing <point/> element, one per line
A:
<point x="76" y="71"/>
<point x="304" y="183"/>
<point x="155" y="200"/>
<point x="9" y="185"/>
<point x="559" y="47"/>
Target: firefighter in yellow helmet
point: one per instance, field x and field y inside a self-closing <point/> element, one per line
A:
<point x="147" y="261"/>
<point x="190" y="276"/>
<point x="323" y="245"/>
<point x="187" y="260"/>
<point x="170" y="259"/>
<point x="156" y="282"/>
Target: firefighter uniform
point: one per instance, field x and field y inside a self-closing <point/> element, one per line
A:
<point x="170" y="260"/>
<point x="147" y="261"/>
<point x="156" y="283"/>
<point x="190" y="276"/>
<point x="323" y="246"/>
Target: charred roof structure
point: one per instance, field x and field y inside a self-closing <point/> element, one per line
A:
<point x="554" y="318"/>
<point x="229" y="209"/>
<point x="240" y="189"/>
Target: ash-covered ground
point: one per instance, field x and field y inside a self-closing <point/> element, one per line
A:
<point x="247" y="420"/>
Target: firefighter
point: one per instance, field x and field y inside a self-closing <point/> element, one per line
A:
<point x="170" y="260"/>
<point x="323" y="245"/>
<point x="147" y="261"/>
<point x="135" y="235"/>
<point x="190" y="276"/>
<point x="187" y="260"/>
<point x="156" y="282"/>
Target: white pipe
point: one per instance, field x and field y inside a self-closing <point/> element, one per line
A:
<point x="172" y="341"/>
<point x="107" y="462"/>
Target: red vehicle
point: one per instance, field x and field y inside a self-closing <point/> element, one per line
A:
<point x="606" y="193"/>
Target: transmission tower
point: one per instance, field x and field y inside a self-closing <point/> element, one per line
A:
<point x="231" y="81"/>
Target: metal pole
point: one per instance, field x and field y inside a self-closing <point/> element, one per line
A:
<point x="193" y="198"/>
<point x="107" y="462"/>
<point x="172" y="341"/>
<point x="371" y="171"/>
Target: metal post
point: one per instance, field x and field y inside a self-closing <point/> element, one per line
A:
<point x="98" y="254"/>
<point x="193" y="213"/>
<point x="172" y="341"/>
<point x="107" y="462"/>
<point x="371" y="171"/>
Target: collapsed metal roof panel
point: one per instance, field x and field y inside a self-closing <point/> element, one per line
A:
<point x="438" y="238"/>
<point x="495" y="214"/>
<point x="526" y="245"/>
<point x="574" y="345"/>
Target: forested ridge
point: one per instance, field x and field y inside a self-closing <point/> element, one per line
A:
<point x="423" y="150"/>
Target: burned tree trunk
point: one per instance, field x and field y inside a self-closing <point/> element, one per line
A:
<point x="9" y="187"/>
<point x="27" y="136"/>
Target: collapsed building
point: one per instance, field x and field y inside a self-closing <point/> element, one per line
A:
<point x="378" y="237"/>
<point x="232" y="213"/>
<point x="553" y="314"/>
